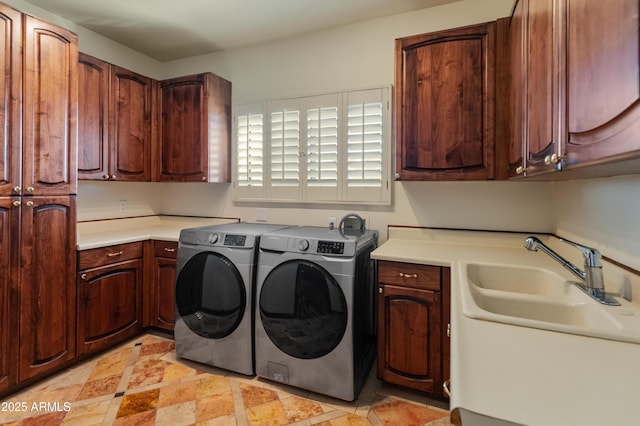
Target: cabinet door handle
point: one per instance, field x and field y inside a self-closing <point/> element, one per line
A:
<point x="83" y="276"/>
<point x="16" y="203"/>
<point x="29" y="203"/>
<point x="402" y="274"/>
<point x="105" y="177"/>
<point x="17" y="189"/>
<point x="170" y="250"/>
<point x="30" y="189"/>
<point x="118" y="253"/>
<point x="380" y="290"/>
<point x="446" y="386"/>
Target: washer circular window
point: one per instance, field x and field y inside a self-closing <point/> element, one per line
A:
<point x="210" y="295"/>
<point x="303" y="309"/>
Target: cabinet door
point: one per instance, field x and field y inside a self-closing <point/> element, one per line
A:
<point x="50" y="109"/>
<point x="517" y="83"/>
<point x="9" y="263"/>
<point x="410" y="338"/>
<point x="165" y="281"/>
<point x="130" y="126"/>
<point x="603" y="81"/>
<point x="11" y="66"/>
<point x="542" y="86"/>
<point x="47" y="290"/>
<point x="196" y="122"/>
<point x="93" y="120"/>
<point x="445" y="104"/>
<point x="110" y="305"/>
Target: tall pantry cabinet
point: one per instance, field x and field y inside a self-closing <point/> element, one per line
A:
<point x="37" y="197"/>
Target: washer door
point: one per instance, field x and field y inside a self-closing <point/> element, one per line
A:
<point x="303" y="309"/>
<point x="210" y="295"/>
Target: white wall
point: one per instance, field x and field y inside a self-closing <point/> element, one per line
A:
<point x="603" y="213"/>
<point x="349" y="57"/>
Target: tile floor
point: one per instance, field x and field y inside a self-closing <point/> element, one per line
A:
<point x="142" y="383"/>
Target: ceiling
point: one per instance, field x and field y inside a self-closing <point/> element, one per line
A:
<point x="174" y="29"/>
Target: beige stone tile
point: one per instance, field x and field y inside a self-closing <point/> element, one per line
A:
<point x="177" y="415"/>
<point x="88" y="414"/>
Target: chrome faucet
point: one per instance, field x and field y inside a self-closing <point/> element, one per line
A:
<point x="591" y="278"/>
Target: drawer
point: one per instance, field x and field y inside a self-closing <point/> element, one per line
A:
<point x="165" y="249"/>
<point x="111" y="254"/>
<point x="410" y="275"/>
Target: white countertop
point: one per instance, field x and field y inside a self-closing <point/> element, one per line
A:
<point x="520" y="374"/>
<point x="102" y="233"/>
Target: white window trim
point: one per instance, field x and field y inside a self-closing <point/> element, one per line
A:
<point x="342" y="193"/>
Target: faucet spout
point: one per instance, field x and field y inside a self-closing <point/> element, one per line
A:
<point x="533" y="244"/>
<point x="591" y="279"/>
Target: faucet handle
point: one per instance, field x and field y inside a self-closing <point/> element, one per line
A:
<point x="592" y="257"/>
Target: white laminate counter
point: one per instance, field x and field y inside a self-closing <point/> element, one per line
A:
<point x="519" y="374"/>
<point x="102" y="233"/>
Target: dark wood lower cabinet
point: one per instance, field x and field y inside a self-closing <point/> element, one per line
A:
<point x="164" y="282"/>
<point x="109" y="296"/>
<point x="9" y="263"/>
<point x="413" y="318"/>
<point x="47" y="291"/>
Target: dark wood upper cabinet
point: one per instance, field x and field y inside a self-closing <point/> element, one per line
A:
<point x="116" y="122"/>
<point x="603" y="81"/>
<point x="130" y="125"/>
<point x="49" y="109"/>
<point x="445" y="104"/>
<point x="575" y="93"/>
<point x="195" y="129"/>
<point x="93" y="122"/>
<point x="11" y="66"/>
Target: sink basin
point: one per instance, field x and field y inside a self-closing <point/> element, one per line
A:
<point x="517" y="279"/>
<point x="543" y="299"/>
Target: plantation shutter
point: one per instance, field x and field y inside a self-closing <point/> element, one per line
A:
<point x="285" y="122"/>
<point x="250" y="150"/>
<point x="366" y="157"/>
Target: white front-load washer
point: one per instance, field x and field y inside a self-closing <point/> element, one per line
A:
<point x="214" y="298"/>
<point x="315" y="312"/>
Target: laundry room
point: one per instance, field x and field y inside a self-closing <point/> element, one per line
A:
<point x="360" y="213"/>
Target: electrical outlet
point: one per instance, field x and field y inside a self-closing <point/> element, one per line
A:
<point x="123" y="205"/>
<point x="331" y="222"/>
<point x="261" y="215"/>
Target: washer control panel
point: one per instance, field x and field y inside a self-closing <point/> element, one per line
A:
<point x="330" y="247"/>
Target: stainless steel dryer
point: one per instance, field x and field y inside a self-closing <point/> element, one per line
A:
<point x="215" y="285"/>
<point x="315" y="313"/>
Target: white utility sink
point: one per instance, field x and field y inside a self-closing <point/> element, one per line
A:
<point x="539" y="298"/>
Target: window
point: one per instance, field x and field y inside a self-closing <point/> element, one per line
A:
<point x="322" y="149"/>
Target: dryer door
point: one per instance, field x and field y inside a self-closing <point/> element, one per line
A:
<point x="210" y="295"/>
<point x="303" y="309"/>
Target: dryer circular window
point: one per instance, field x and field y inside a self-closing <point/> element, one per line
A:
<point x="210" y="295"/>
<point x="303" y="309"/>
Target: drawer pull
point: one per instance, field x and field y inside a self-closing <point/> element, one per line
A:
<point x="118" y="253"/>
<point x="170" y="250"/>
<point x="402" y="274"/>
